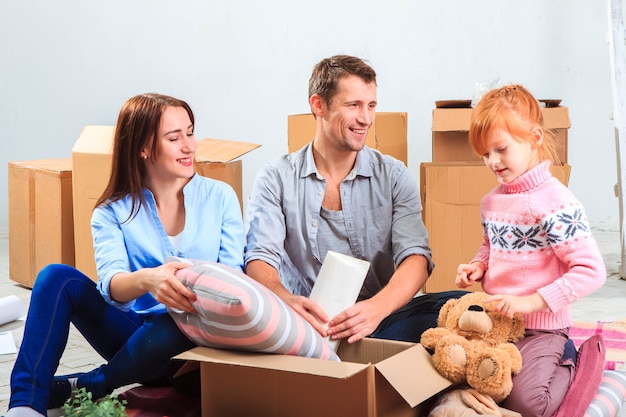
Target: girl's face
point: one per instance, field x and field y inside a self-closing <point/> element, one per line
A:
<point x="176" y="147"/>
<point x="509" y="157"/>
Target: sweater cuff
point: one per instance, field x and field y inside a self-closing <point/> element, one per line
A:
<point x="553" y="298"/>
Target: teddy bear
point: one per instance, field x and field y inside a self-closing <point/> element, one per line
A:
<point x="473" y="343"/>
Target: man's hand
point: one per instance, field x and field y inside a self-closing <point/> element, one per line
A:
<point x="309" y="310"/>
<point x="357" y="321"/>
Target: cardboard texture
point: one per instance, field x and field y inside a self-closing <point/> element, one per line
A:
<point x="91" y="156"/>
<point x="41" y="227"/>
<point x="376" y="378"/>
<point x="451" y="194"/>
<point x="388" y="133"/>
<point x="451" y="121"/>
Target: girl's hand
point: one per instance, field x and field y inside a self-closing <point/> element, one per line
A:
<point x="511" y="304"/>
<point x="167" y="289"/>
<point x="468" y="274"/>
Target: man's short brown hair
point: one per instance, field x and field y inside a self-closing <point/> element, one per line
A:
<point x="327" y="73"/>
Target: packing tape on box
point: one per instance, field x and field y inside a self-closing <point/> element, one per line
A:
<point x="11" y="308"/>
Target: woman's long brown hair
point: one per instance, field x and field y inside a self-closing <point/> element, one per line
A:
<point x="137" y="128"/>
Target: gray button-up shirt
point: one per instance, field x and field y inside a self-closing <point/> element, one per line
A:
<point x="381" y="208"/>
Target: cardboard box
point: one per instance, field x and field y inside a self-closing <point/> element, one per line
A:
<point x="91" y="156"/>
<point x="451" y="121"/>
<point x="375" y="378"/>
<point x="451" y="194"/>
<point x="388" y="133"/>
<point x="217" y="159"/>
<point x="41" y="228"/>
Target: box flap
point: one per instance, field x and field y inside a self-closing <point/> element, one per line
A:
<point x="455" y="116"/>
<point x="453" y="104"/>
<point x="284" y="363"/>
<point x="556" y="117"/>
<point x="95" y="140"/>
<point x="219" y="150"/>
<point x="413" y="375"/>
<point x="57" y="165"/>
<point x="451" y="119"/>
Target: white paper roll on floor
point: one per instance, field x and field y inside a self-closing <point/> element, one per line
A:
<point x="11" y="308"/>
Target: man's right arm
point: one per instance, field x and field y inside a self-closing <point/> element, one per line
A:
<point x="267" y="231"/>
<point x="308" y="309"/>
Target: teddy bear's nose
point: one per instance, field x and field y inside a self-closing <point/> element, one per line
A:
<point x="475" y="307"/>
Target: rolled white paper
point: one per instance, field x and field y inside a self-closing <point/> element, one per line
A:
<point x="11" y="308"/>
<point x="338" y="284"/>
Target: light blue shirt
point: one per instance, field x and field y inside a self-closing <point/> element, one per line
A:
<point x="381" y="209"/>
<point x="213" y="232"/>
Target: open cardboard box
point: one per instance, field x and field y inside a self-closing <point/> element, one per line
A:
<point x="91" y="157"/>
<point x="451" y="121"/>
<point x="41" y="226"/>
<point x="376" y="378"/>
<point x="451" y="193"/>
<point x="388" y="133"/>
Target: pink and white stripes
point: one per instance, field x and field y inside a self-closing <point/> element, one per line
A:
<point x="236" y="312"/>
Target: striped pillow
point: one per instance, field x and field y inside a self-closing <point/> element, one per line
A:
<point x="236" y="312"/>
<point x="610" y="396"/>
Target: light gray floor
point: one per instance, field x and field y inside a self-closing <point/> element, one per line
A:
<point x="606" y="304"/>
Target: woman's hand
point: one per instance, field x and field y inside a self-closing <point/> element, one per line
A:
<point x="167" y="289"/>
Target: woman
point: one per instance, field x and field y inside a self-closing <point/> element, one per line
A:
<point x="154" y="206"/>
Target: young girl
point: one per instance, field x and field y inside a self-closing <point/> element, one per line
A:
<point x="538" y="254"/>
<point x="154" y="206"/>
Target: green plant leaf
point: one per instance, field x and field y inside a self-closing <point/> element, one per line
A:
<point x="81" y="404"/>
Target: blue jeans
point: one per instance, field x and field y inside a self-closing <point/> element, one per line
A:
<point x="136" y="349"/>
<point x="409" y="322"/>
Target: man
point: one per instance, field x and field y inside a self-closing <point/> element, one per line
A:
<point x="337" y="194"/>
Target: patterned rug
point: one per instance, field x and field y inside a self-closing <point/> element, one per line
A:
<point x="614" y="339"/>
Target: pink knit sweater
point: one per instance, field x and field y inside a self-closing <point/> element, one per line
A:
<point x="537" y="239"/>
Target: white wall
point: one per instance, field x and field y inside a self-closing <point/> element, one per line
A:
<point x="244" y="65"/>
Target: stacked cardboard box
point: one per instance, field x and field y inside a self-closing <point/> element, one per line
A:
<point x="453" y="184"/>
<point x="40" y="217"/>
<point x="388" y="133"/>
<point x="91" y="156"/>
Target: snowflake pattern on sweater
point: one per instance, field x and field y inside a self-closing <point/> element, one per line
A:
<point x="556" y="229"/>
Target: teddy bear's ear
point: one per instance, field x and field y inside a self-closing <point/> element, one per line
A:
<point x="518" y="328"/>
<point x="443" y="312"/>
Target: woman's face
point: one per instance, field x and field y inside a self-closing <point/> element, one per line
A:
<point x="176" y="147"/>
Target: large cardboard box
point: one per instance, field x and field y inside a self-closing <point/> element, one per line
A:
<point x="451" y="194"/>
<point x="451" y="121"/>
<point x="41" y="227"/>
<point x="91" y="156"/>
<point x="376" y="378"/>
<point x="388" y="133"/>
